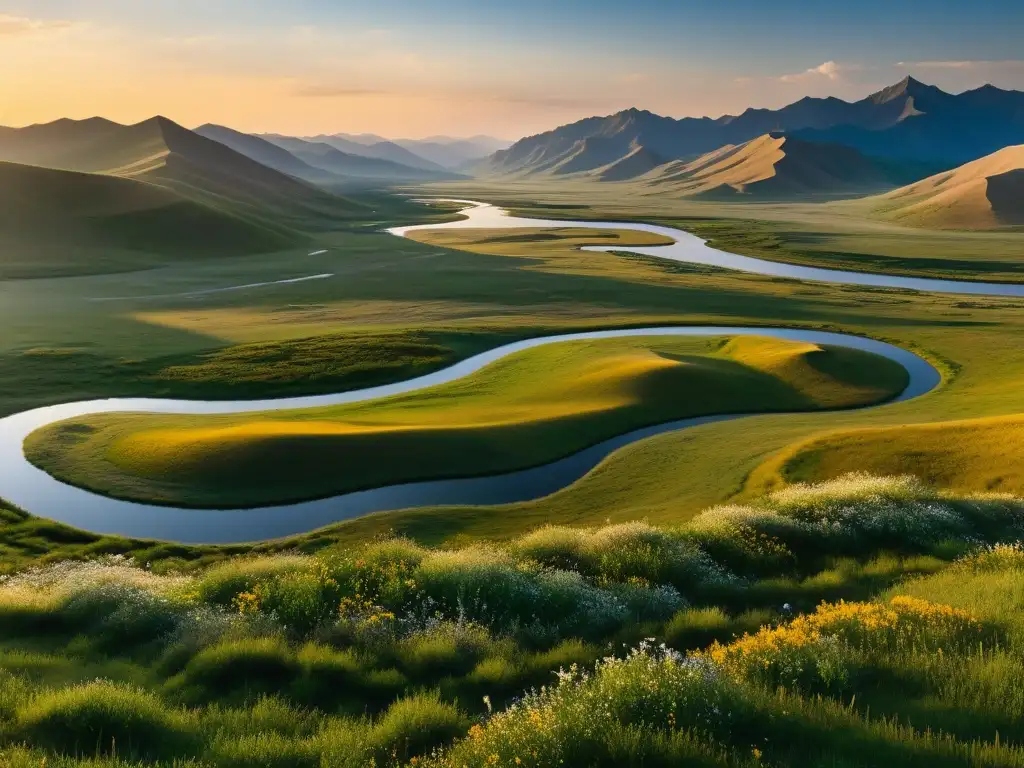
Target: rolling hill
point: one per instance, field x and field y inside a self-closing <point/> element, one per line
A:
<point x="55" y="222"/>
<point x="912" y="125"/>
<point x="328" y="158"/>
<point x="770" y="166"/>
<point x="982" y="194"/>
<point x="162" y="152"/>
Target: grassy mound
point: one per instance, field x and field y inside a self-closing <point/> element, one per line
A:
<point x="249" y="666"/>
<point x="970" y="455"/>
<point x="527" y="409"/>
<point x="103" y="718"/>
<point x="55" y="222"/>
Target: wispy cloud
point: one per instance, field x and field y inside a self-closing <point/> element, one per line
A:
<point x="328" y="91"/>
<point x="966" y="64"/>
<point x="21" y="25"/>
<point x="470" y="95"/>
<point x="828" y="70"/>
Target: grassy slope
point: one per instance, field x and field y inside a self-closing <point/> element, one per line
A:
<point x="528" y="409"/>
<point x="62" y="222"/>
<point x="973" y="454"/>
<point x="197" y="168"/>
<point x="982" y="194"/>
<point x="772" y="167"/>
<point x="299" y="660"/>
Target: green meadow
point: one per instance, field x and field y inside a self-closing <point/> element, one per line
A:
<point x="684" y="603"/>
<point x="868" y="617"/>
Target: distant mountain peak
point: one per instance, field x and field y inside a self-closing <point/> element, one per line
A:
<point x="907" y="87"/>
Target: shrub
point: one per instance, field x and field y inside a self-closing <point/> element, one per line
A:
<point x="414" y="725"/>
<point x="443" y="650"/>
<point x="327" y="675"/>
<point x="221" y="584"/>
<point x="106" y="718"/>
<point x="855" y="514"/>
<point x="696" y="628"/>
<point x="822" y="651"/>
<point x="644" y="603"/>
<point x="122" y="614"/>
<point x="628" y="552"/>
<point x="301" y="600"/>
<point x="252" y="665"/>
<point x="632" y="703"/>
<point x="1001" y="557"/>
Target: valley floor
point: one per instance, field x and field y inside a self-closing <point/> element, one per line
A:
<point x="404" y="638"/>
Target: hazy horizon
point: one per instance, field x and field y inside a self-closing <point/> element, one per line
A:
<point x="456" y="68"/>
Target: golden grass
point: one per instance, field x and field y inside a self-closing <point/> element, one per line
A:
<point x="984" y="454"/>
<point x="960" y="198"/>
<point x="526" y="409"/>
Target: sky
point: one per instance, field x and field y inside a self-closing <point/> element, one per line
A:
<point x="416" y="68"/>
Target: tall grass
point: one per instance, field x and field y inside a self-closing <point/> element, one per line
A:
<point x="390" y="652"/>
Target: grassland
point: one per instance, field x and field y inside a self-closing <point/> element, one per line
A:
<point x="349" y="644"/>
<point x="465" y="292"/>
<point x="655" y="646"/>
<point x="530" y="408"/>
<point x="972" y="454"/>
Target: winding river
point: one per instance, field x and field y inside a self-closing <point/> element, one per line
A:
<point x="40" y="494"/>
<point x="690" y="249"/>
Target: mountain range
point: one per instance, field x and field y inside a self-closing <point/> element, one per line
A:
<point x="434" y="152"/>
<point x="910" y="153"/>
<point x="910" y="128"/>
<point x="161" y="152"/>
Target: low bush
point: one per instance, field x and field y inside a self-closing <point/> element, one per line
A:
<point x="413" y="726"/>
<point x="247" y="666"/>
<point x="223" y="583"/>
<point x="103" y="718"/>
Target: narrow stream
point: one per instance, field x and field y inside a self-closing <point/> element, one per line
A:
<point x="690" y="249"/>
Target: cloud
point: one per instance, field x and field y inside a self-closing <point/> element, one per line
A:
<point x="938" y="64"/>
<point x="475" y="95"/>
<point x="20" y="25"/>
<point x="328" y="91"/>
<point x="987" y="64"/>
<point x="829" y="70"/>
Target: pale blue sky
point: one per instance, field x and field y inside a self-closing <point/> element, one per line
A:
<point x="418" y="67"/>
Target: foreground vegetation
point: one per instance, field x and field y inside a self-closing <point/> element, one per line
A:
<point x="623" y="644"/>
<point x="527" y="409"/>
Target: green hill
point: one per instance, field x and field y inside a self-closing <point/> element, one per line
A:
<point x="66" y="222"/>
<point x="197" y="168"/>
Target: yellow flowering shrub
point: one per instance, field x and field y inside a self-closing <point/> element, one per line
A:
<point x="822" y="650"/>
